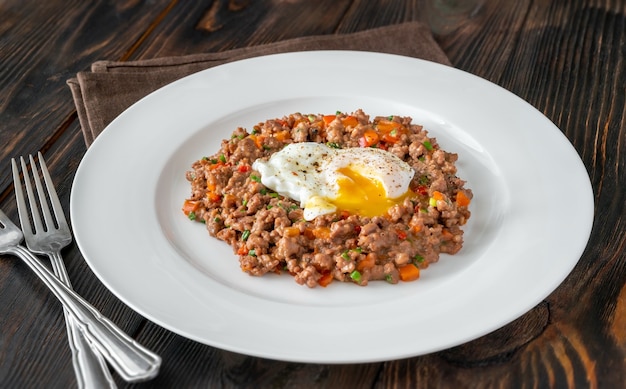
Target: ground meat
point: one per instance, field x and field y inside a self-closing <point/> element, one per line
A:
<point x="268" y="233"/>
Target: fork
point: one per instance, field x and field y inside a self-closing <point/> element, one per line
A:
<point x="131" y="360"/>
<point x="106" y="336"/>
<point x="89" y="365"/>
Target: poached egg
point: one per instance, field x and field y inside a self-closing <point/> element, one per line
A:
<point x="364" y="181"/>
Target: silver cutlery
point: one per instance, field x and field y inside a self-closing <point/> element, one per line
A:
<point x="131" y="360"/>
<point x="89" y="365"/>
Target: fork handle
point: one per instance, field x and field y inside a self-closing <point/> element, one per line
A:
<point x="91" y="370"/>
<point x="89" y="365"/>
<point x="130" y="359"/>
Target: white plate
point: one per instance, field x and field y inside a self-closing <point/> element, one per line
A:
<point x="531" y="214"/>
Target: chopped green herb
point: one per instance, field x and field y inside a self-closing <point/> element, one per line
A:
<point x="245" y="235"/>
<point x="252" y="253"/>
<point x="311" y="118"/>
<point x="263" y="191"/>
<point x="274" y="195"/>
<point x="358" y="250"/>
<point x="333" y="145"/>
<point x="356" y="276"/>
<point x="389" y="278"/>
<point x="222" y="158"/>
<point x="390" y="117"/>
<point x="345" y="255"/>
<point x="338" y="113"/>
<point x="244" y="202"/>
<point x="418" y="259"/>
<point x="432" y="202"/>
<point x="428" y="145"/>
<point x="217" y="220"/>
<point x="255" y="178"/>
<point x="192" y="215"/>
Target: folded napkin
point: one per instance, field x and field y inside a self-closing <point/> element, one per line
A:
<point x="110" y="87"/>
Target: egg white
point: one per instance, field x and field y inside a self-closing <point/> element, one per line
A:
<point x="312" y="173"/>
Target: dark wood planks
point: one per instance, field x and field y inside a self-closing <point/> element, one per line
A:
<point x="45" y="43"/>
<point x="41" y="45"/>
<point x="565" y="58"/>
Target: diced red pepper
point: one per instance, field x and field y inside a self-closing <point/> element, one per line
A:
<point x="401" y="234"/>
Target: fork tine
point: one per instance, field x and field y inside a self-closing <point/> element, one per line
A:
<point x="27" y="228"/>
<point x="32" y="201"/>
<point x="57" y="208"/>
<point x="43" y="204"/>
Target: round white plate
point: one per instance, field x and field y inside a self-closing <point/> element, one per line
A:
<point x="531" y="214"/>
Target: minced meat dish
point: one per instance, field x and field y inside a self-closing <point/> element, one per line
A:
<point x="270" y="233"/>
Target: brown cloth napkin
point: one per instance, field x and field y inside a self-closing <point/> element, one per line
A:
<point x="112" y="86"/>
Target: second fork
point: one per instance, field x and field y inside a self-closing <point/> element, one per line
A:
<point x="133" y="362"/>
<point x="89" y="365"/>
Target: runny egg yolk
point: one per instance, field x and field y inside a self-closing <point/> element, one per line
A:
<point x="363" y="196"/>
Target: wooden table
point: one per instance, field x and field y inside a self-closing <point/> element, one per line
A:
<point x="566" y="58"/>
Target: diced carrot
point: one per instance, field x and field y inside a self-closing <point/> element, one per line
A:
<point x="243" y="250"/>
<point x="387" y="126"/>
<point x="461" y="199"/>
<point x="438" y="195"/>
<point x="390" y="137"/>
<point x="409" y="272"/>
<point x="446" y="234"/>
<point x="416" y="228"/>
<point x="216" y="165"/>
<point x="326" y="279"/>
<point x="328" y="119"/>
<point x="401" y="234"/>
<point x="366" y="263"/>
<point x="321" y="232"/>
<point x="291" y="231"/>
<point x="190" y="206"/>
<point x="283" y="135"/>
<point x="350" y="121"/>
<point x="258" y="140"/>
<point x="369" y="138"/>
<point x="243" y="168"/>
<point x="214" y="197"/>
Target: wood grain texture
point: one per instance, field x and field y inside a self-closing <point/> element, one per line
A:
<point x="565" y="58"/>
<point x="42" y="45"/>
